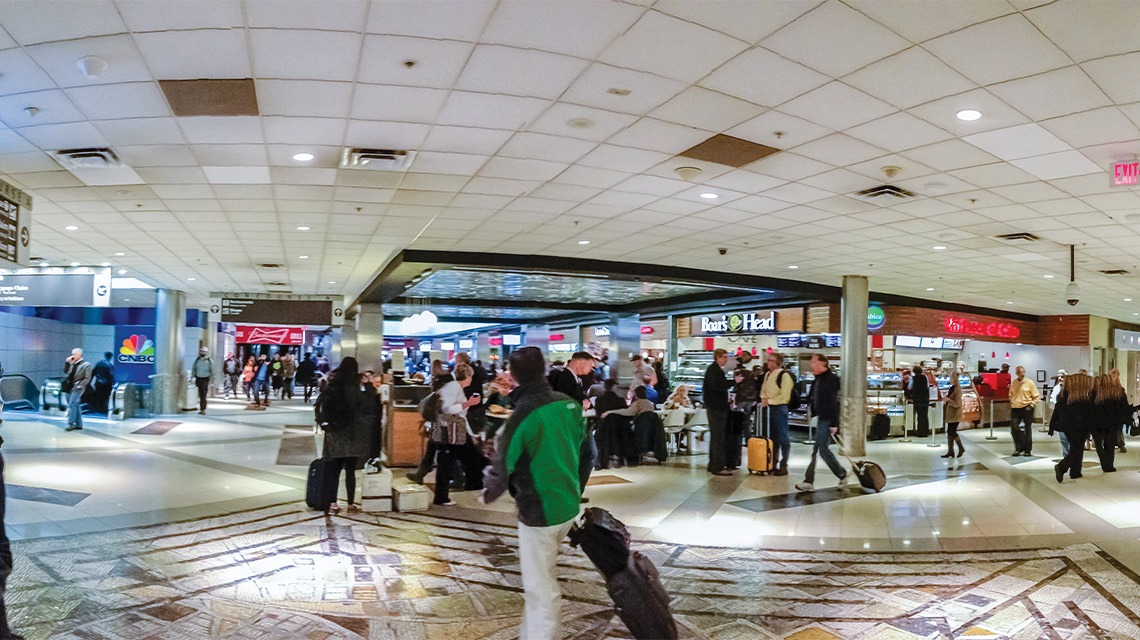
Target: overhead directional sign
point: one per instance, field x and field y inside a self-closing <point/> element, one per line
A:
<point x="56" y="289"/>
<point x="15" y="222"/>
<point x="280" y="310"/>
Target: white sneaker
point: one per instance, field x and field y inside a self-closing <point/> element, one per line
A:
<point x="805" y="486"/>
<point x="843" y="482"/>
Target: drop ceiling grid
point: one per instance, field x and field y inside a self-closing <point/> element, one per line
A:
<point x="298" y="190"/>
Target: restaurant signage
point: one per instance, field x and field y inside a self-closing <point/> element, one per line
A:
<point x="876" y="318"/>
<point x="602" y="332"/>
<point x="261" y="334"/>
<point x="646" y="329"/>
<point x="736" y="323"/>
<point x="981" y="329"/>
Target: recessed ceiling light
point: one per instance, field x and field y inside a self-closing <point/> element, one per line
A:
<point x="303" y="228"/>
<point x="190" y="279"/>
<point x="303" y="257"/>
<point x="710" y="196"/>
<point x="1128" y="299"/>
<point x="302" y="157"/>
<point x="120" y="253"/>
<point x="1048" y="276"/>
<point x="583" y="242"/>
<point x="126" y="299"/>
<point x="71" y="227"/>
<point x="122" y="271"/>
<point x="930" y="288"/>
<point x="969" y="115"/>
<point x="105" y="264"/>
<point x="1009" y="302"/>
<point x="45" y="264"/>
<point x="75" y="264"/>
<point x="332" y="281"/>
<point x="939" y="248"/>
<point x="792" y="266"/>
<point x="580" y="123"/>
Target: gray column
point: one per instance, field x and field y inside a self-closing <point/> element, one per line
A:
<point x="625" y="333"/>
<point x="538" y="335"/>
<point x="672" y="346"/>
<point x="168" y="386"/>
<point x="348" y="339"/>
<point x="216" y="356"/>
<point x="370" y="337"/>
<point x="853" y="369"/>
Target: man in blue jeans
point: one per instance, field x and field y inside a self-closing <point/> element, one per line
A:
<point x="775" y="396"/>
<point x="824" y="402"/>
<point x="78" y="376"/>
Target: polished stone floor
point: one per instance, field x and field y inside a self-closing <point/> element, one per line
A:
<point x="193" y="528"/>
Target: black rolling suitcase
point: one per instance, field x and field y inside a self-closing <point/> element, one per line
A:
<point x="320" y="488"/>
<point x="631" y="579"/>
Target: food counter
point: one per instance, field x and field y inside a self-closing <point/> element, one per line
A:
<point x="404" y="442"/>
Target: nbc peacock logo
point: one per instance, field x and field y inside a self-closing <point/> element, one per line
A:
<point x="137" y="349"/>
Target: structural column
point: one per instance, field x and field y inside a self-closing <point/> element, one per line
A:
<point x="538" y="335"/>
<point x="625" y="335"/>
<point x="168" y="386"/>
<point x="347" y="340"/>
<point x="853" y="369"/>
<point x="369" y="329"/>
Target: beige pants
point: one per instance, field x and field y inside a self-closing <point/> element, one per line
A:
<point x="538" y="558"/>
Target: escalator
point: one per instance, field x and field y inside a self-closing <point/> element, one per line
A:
<point x="19" y="393"/>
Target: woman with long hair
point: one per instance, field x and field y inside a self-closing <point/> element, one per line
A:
<point x="1112" y="412"/>
<point x="347" y="431"/>
<point x="1074" y="416"/>
<point x="953" y="417"/>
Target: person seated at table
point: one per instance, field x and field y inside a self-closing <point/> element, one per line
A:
<point x="679" y="399"/>
<point x="640" y="405"/>
<point x="613" y="435"/>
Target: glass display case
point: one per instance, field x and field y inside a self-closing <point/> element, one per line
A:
<point x="691" y="367"/>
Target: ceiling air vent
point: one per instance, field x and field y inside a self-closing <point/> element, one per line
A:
<point x="276" y="284"/>
<point x="884" y="194"/>
<point x="1114" y="272"/>
<point x="1020" y="236"/>
<point x="91" y="158"/>
<point x="271" y="265"/>
<point x="377" y="159"/>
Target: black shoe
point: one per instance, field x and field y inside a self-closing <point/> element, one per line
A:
<point x="415" y="477"/>
<point x="961" y="452"/>
<point x="1059" y="473"/>
<point x="948" y="455"/>
<point x="74" y="429"/>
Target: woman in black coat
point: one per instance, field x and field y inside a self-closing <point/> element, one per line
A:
<point x="1076" y="417"/>
<point x="1113" y="411"/>
<point x="920" y="396"/>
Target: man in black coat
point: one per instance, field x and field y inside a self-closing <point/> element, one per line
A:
<point x="824" y="402"/>
<point x="569" y="379"/>
<point x="103" y="380"/>
<point x="920" y="396"/>
<point x="715" y="396"/>
<point x="306" y="374"/>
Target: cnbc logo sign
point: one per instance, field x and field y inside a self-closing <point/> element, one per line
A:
<point x="137" y="349"/>
<point x="739" y="323"/>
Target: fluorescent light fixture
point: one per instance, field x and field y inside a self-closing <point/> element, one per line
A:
<point x="710" y="196"/>
<point x="583" y="242"/>
<point x="1048" y="276"/>
<point x="332" y="281"/>
<point x="302" y="257"/>
<point x="792" y="266"/>
<point x="303" y="228"/>
<point x="71" y="227"/>
<point x="302" y="157"/>
<point x="939" y="248"/>
<point x="930" y="288"/>
<point x="120" y="253"/>
<point x="969" y="115"/>
<point x="75" y="264"/>
<point x="190" y="279"/>
<point x="105" y="264"/>
<point x="122" y="271"/>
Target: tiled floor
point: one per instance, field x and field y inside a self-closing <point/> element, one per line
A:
<point x="982" y="546"/>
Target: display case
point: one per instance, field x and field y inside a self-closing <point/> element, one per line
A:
<point x="885" y="395"/>
<point x="691" y="369"/>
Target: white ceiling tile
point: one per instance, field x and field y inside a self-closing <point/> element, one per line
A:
<point x="222" y="129"/>
<point x="950" y="154"/>
<point x="437" y="62"/>
<point x="71" y="135"/>
<point x="920" y="21"/>
<point x="31" y="22"/>
<point x="519" y="169"/>
<point x="141" y="15"/>
<point x="778" y="130"/>
<point x="397" y="104"/>
<point x="673" y="48"/>
<point x="898" y="132"/>
<point x="743" y="181"/>
<point x="113" y="101"/>
<point x="521" y="72"/>
<point x="285" y="54"/>
<point x="22" y="74"/>
<point x="447" y="163"/>
<point x="1059" y="207"/>
<point x="135" y="131"/>
<point x="758" y="204"/>
<point x="562" y="26"/>
<point x="500" y="186"/>
<point x="170" y="176"/>
<point x="565" y="192"/>
<point x="1029" y="192"/>
<point x="835" y="39"/>
<point x="124" y="64"/>
<point x="385" y="135"/>
<point x="348" y="15"/>
<point x="54" y="107"/>
<point x="294" y="98"/>
<point x="30" y="162"/>
<point x="655" y="135"/>
<point x="466" y="140"/>
<point x="995" y="113"/>
<point x="908" y="169"/>
<point x="1105" y="155"/>
<point x="441" y="19"/>
<point x="237" y="175"/>
<point x="490" y="111"/>
<point x="840" y="150"/>
<point x="541" y="146"/>
<point x="704" y="109"/>
<point x="1018" y="142"/>
<point x="1087" y="30"/>
<point x="184" y="192"/>
<point x="302" y="175"/>
<point x="654" y="185"/>
<point x="1119" y="200"/>
<point x="1057" y="165"/>
<point x="205" y="53"/>
<point x="763" y="77"/>
<point x="152" y="155"/>
<point x="788" y="166"/>
<point x="820" y="106"/>
<point x="796" y="193"/>
<point x="999" y="50"/>
<point x="909" y="78"/>
<point x="1097" y="127"/>
<point x="839" y="181"/>
<point x="591" y="177"/>
<point x="1115" y="76"/>
<point x="992" y="175"/>
<point x="623" y="158"/>
<point x="1048" y="95"/>
<point x="744" y="19"/>
<point x="230" y="154"/>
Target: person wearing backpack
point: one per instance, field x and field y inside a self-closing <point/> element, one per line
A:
<point x="342" y="412"/>
<point x="778" y="394"/>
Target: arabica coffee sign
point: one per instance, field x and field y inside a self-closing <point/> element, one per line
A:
<point x="732" y="323"/>
<point x="981" y="329"/>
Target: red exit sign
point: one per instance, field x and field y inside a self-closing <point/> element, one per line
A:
<point x="1125" y="174"/>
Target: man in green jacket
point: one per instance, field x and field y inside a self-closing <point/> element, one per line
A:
<point x="544" y="458"/>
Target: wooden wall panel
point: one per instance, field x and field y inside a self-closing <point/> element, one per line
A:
<point x="914" y="321"/>
<point x="1063" y="330"/>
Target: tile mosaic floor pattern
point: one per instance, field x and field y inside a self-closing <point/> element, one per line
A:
<point x="282" y="572"/>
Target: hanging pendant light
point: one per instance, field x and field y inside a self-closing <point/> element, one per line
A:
<point x="1072" y="292"/>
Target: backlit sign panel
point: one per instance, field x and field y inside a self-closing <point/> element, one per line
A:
<point x="1126" y="174"/>
<point x="745" y="323"/>
<point x="261" y="334"/>
<point x="981" y="329"/>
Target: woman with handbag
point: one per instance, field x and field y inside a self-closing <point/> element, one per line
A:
<point x="953" y="417"/>
<point x="346" y="430"/>
<point x="450" y="430"/>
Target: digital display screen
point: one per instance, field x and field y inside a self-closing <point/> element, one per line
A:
<point x="512" y="340"/>
<point x="466" y="344"/>
<point x="951" y="343"/>
<point x="907" y="341"/>
<point x="931" y="343"/>
<point x="447" y="346"/>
